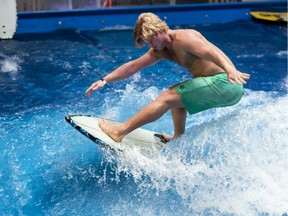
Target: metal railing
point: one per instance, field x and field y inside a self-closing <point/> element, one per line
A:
<point x="44" y="5"/>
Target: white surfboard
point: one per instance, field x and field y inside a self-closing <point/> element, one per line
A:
<point x="140" y="137"/>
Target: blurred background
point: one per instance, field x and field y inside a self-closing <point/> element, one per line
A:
<point x="43" y="5"/>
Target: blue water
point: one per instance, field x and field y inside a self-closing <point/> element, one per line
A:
<point x="231" y="161"/>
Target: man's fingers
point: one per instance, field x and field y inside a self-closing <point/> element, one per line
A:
<point x="95" y="86"/>
<point x="246" y="76"/>
<point x="240" y="79"/>
<point x="231" y="80"/>
<point x="89" y="91"/>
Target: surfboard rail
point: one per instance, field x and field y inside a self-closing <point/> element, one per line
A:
<point x="69" y="119"/>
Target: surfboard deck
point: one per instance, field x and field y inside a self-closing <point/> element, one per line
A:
<point x="270" y="16"/>
<point x="141" y="138"/>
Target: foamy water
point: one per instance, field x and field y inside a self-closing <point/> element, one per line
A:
<point x="10" y="64"/>
<point x="232" y="163"/>
<point x="235" y="163"/>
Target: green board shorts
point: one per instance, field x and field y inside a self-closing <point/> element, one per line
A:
<point x="203" y="93"/>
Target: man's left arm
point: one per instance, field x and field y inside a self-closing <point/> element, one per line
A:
<point x="202" y="48"/>
<point x="223" y="61"/>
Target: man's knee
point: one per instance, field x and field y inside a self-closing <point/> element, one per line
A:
<point x="169" y="96"/>
<point x="166" y="94"/>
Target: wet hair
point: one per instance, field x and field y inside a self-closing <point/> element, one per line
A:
<point x="147" y="26"/>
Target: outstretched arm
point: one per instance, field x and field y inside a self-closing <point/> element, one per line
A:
<point x="124" y="71"/>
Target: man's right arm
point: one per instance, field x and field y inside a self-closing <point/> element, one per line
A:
<point x="124" y="71"/>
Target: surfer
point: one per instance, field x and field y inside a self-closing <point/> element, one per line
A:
<point x="216" y="82"/>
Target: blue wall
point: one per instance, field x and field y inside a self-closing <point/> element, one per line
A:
<point x="110" y="17"/>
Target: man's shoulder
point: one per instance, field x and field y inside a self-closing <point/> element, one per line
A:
<point x="184" y="32"/>
<point x="185" y="37"/>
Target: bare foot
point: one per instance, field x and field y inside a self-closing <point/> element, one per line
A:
<point x="112" y="130"/>
<point x="167" y="137"/>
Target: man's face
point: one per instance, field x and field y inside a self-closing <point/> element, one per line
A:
<point x="156" y="42"/>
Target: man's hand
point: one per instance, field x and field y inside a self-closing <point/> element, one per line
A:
<point x="95" y="86"/>
<point x="239" y="77"/>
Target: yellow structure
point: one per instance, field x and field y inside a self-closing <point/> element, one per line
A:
<point x="270" y="16"/>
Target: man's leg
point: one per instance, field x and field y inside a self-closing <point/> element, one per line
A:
<point x="179" y="119"/>
<point x="179" y="116"/>
<point x="153" y="111"/>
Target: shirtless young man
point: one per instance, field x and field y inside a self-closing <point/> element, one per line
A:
<point x="216" y="83"/>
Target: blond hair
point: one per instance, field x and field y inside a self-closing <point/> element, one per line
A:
<point x="147" y="26"/>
